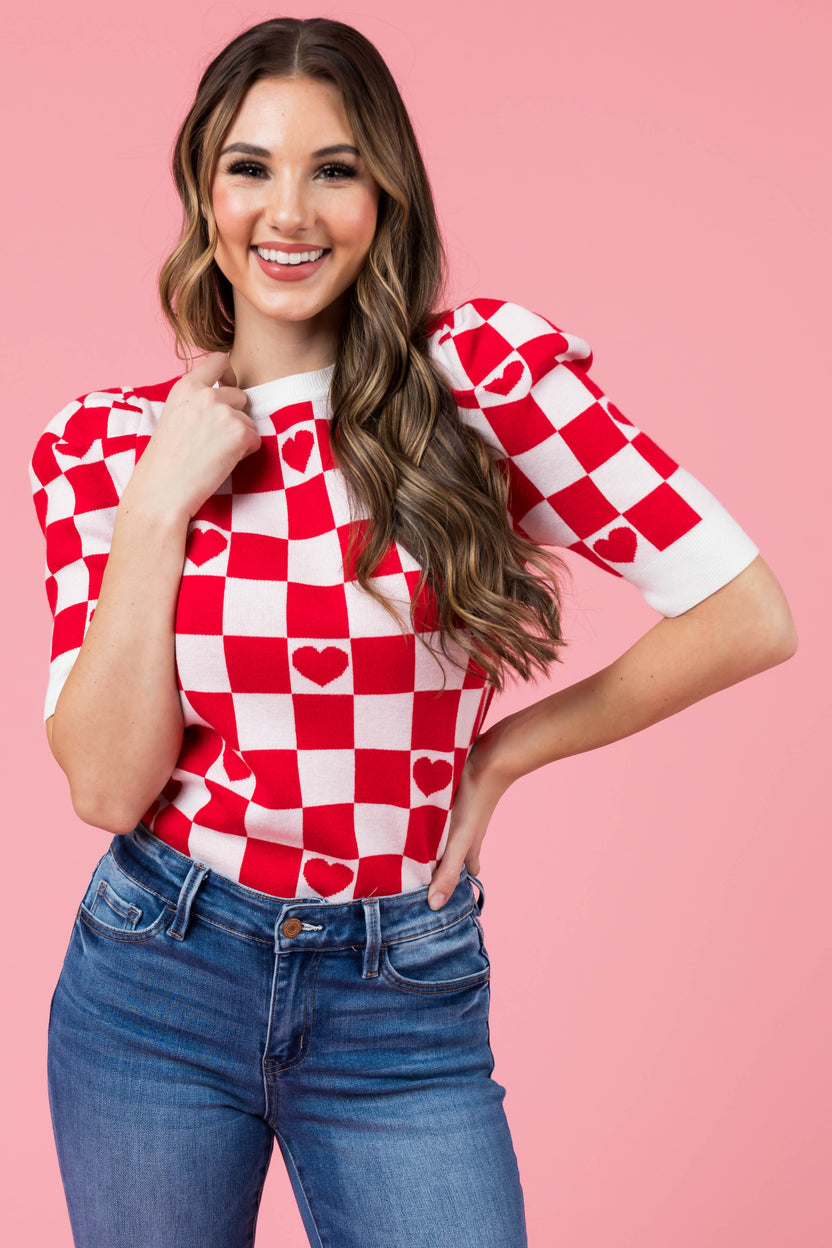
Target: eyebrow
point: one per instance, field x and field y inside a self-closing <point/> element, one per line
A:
<point x="250" y="149"/>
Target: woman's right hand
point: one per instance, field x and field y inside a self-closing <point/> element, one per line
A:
<point x="202" y="433"/>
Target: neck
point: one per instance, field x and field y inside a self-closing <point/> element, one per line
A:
<point x="266" y="349"/>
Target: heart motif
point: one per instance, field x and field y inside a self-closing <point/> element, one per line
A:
<point x="619" y="546"/>
<point x="507" y="380"/>
<point x="432" y="774"/>
<point x="297" y="449"/>
<point x="327" y="877"/>
<point x="322" y="666"/>
<point x="204" y="544"/>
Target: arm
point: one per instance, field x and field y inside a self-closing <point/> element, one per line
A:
<point x="736" y="632"/>
<point x="117" y="727"/>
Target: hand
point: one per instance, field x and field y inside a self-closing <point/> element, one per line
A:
<point x="480" y="788"/>
<point x="201" y="435"/>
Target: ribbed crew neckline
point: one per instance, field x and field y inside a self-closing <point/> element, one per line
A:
<point x="269" y="396"/>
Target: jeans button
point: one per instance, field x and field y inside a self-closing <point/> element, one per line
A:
<point x="291" y="927"/>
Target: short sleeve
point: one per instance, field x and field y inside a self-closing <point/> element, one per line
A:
<point x="77" y="472"/>
<point x="582" y="475"/>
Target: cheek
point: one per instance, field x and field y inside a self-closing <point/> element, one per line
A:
<point x="230" y="212"/>
<point x="357" y="221"/>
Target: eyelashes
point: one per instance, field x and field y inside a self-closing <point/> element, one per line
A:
<point x="334" y="171"/>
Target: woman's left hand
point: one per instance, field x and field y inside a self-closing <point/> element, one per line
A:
<point x="479" y="790"/>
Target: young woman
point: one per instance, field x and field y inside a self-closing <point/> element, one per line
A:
<point x="285" y="586"/>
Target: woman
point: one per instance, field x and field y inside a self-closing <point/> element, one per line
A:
<point x="283" y="939"/>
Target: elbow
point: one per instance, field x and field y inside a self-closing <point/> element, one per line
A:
<point x="775" y="636"/>
<point x="787" y="643"/>
<point x="761" y="623"/>
<point x="98" y="814"/>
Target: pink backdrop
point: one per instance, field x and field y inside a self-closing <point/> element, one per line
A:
<point x="654" y="178"/>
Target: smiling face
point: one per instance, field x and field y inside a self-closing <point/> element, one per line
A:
<point x="293" y="191"/>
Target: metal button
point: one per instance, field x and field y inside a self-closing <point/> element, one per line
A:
<point x="291" y="927"/>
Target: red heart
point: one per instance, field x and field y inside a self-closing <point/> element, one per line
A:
<point x="507" y="380"/>
<point x="619" y="545"/>
<point x="322" y="666"/>
<point x="432" y="774"/>
<point x="204" y="544"/>
<point x="297" y="449"/>
<point x="327" y="877"/>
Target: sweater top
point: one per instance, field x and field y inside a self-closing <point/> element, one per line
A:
<point x="320" y="752"/>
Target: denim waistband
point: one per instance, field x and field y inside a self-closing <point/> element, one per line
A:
<point x="288" y="923"/>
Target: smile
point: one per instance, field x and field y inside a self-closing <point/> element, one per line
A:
<point x="285" y="257"/>
<point x="298" y="266"/>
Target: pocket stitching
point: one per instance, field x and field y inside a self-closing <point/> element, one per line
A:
<point x="107" y="894"/>
<point x="397" y="980"/>
<point x="120" y="934"/>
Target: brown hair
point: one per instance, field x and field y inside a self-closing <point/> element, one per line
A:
<point x="429" y="480"/>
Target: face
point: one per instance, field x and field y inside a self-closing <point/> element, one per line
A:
<point x="292" y="192"/>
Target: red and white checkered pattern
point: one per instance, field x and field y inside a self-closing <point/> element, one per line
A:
<point x="320" y="755"/>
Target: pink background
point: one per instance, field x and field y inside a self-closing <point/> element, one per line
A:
<point x="655" y="178"/>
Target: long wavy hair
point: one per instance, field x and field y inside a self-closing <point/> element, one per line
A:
<point x="428" y="480"/>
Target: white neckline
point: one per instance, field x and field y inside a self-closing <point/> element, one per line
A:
<point x="268" y="396"/>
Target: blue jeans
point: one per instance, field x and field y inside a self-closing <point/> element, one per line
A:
<point x="195" y="1020"/>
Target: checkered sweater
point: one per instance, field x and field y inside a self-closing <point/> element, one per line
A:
<point x="317" y="760"/>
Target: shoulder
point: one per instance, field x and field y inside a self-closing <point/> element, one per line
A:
<point x="501" y="347"/>
<point x="109" y="421"/>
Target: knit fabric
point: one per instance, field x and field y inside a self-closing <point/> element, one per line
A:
<point x="320" y="753"/>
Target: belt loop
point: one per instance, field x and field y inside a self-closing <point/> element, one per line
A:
<point x="481" y="898"/>
<point x="373" y="945"/>
<point x="193" y="879"/>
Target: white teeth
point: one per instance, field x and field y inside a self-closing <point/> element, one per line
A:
<point x="284" y="257"/>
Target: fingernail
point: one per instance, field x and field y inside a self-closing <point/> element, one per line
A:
<point x="436" y="900"/>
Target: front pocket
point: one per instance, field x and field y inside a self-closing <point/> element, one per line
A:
<point x="118" y="906"/>
<point x="446" y="959"/>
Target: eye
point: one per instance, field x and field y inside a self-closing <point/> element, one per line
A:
<point x="243" y="166"/>
<point x="338" y="171"/>
<point x="246" y="169"/>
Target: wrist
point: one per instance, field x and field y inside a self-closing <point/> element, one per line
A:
<point x="492" y="759"/>
<point x="148" y="509"/>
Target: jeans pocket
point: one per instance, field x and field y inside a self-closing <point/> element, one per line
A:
<point x="118" y="906"/>
<point x="445" y="959"/>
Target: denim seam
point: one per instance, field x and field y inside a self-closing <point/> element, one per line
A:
<point x="141" y="884"/>
<point x="264" y="1167"/>
<point x="270" y="1064"/>
<point x="426" y="931"/>
<point x="431" y="989"/>
<point x="130" y="937"/>
<point x="302" y="1188"/>
<point x="195" y="914"/>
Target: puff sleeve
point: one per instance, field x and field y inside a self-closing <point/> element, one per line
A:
<point x="582" y="475"/>
<point x="80" y="464"/>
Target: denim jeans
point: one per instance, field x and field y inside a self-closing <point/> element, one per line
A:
<point x="195" y="1020"/>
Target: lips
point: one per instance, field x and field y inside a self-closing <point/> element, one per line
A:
<point x="289" y="272"/>
<point x="289" y="251"/>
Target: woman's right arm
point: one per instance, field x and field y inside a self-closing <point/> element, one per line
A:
<point x="117" y="726"/>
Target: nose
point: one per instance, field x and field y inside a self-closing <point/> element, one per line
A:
<point x="289" y="207"/>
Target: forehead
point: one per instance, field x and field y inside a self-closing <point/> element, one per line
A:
<point x="286" y="109"/>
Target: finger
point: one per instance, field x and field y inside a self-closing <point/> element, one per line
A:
<point x="446" y="876"/>
<point x="472" y="864"/>
<point x="232" y="396"/>
<point x="216" y="366"/>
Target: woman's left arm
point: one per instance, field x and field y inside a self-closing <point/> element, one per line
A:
<point x="736" y="632"/>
